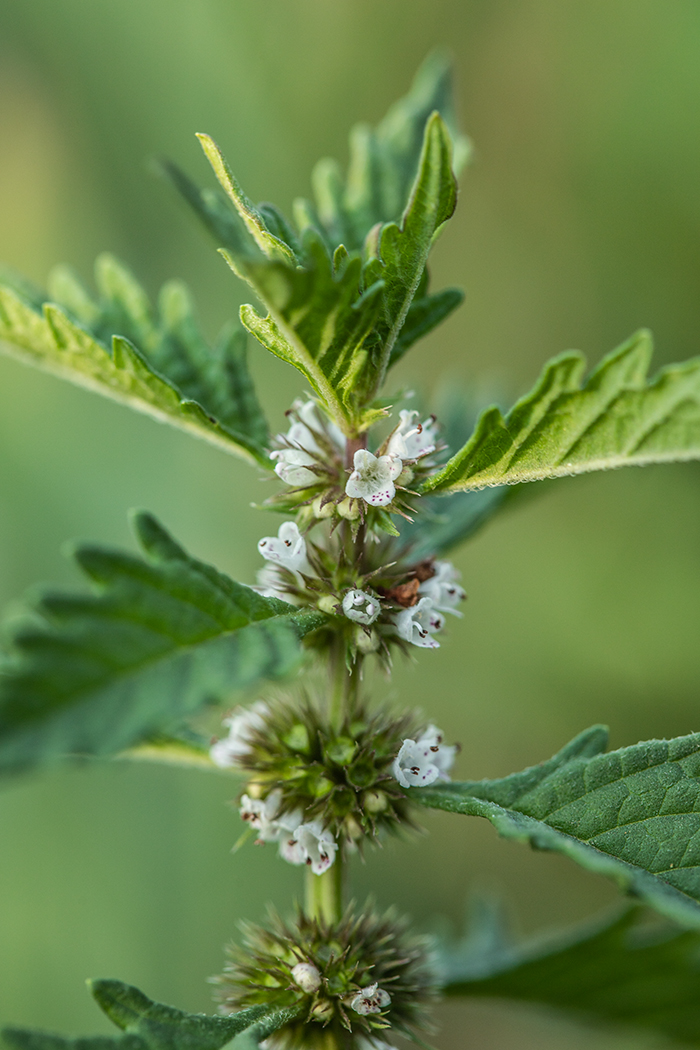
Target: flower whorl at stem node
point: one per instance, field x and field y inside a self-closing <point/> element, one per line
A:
<point x="354" y="978"/>
<point x="316" y="786"/>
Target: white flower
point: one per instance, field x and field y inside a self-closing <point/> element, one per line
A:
<point x="307" y="977"/>
<point x="264" y="816"/>
<point x="443" y="589"/>
<point x="292" y="467"/>
<point x="422" y="762"/>
<point x="290" y="850"/>
<point x="310" y="423"/>
<point x="419" y="623"/>
<point x="241" y="726"/>
<point x="370" y="1000"/>
<point x="260" y="814"/>
<point x="301" y="448"/>
<point x="361" y="607"/>
<point x="287" y="549"/>
<point x="413" y="440"/>
<point x="373" y="478"/>
<point x="310" y="844"/>
<point x="271" y="585"/>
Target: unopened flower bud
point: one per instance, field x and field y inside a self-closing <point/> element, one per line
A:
<point x="352" y="828"/>
<point x="374" y="801"/>
<point x="322" y="510"/>
<point x="323" y="1010"/>
<point x="327" y="604"/>
<point x="307" y="977"/>
<point x="348" y="509"/>
<point x="365" y="642"/>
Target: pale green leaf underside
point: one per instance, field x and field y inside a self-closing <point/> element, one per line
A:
<point x="626" y="971"/>
<point x="161" y="637"/>
<point x="117" y="347"/>
<point x="631" y="815"/>
<point x="616" y="418"/>
<point x="147" y="1025"/>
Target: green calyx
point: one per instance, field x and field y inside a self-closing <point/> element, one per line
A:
<point x="338" y="774"/>
<point x="353" y="978"/>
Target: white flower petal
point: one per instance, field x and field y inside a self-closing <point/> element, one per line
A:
<point x="370" y="1000"/>
<point x="241" y="725"/>
<point x="373" y="478"/>
<point x="422" y="762"/>
<point x="292" y="464"/>
<point x="443" y="589"/>
<point x="318" y="845"/>
<point x="413" y="440"/>
<point x="418" y="624"/>
<point x="361" y="607"/>
<point x="287" y="548"/>
<point x="414" y="766"/>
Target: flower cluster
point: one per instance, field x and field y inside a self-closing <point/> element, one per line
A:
<point x="300" y="841"/>
<point x="313" y="789"/>
<point x="311" y="460"/>
<point x="353" y="979"/>
<point x="414" y="611"/>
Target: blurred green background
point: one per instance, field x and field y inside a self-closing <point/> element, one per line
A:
<point x="579" y="221"/>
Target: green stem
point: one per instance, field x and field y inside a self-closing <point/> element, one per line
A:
<point x="338" y="676"/>
<point x="324" y="893"/>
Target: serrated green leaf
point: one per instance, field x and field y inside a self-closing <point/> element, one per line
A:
<point x="318" y="321"/>
<point x="403" y="249"/>
<point x="161" y="365"/>
<point x="383" y="162"/>
<point x="444" y="524"/>
<point x="271" y="246"/>
<point x="616" y="418"/>
<point x="632" y="815"/>
<point x="212" y="206"/>
<point x="425" y="313"/>
<point x="338" y="321"/>
<point x="147" y="1025"/>
<point x="161" y="637"/>
<point x="625" y="971"/>
<point x="340" y="302"/>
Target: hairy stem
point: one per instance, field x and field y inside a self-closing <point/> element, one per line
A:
<point x="353" y="445"/>
<point x="338" y="681"/>
<point x="324" y="893"/>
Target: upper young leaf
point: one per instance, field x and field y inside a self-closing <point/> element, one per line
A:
<point x="626" y="971"/>
<point x="333" y="318"/>
<point x="403" y="249"/>
<point x="632" y="815"/>
<point x="318" y="321"/>
<point x="161" y="637"/>
<point x="615" y="419"/>
<point x="161" y="365"/>
<point x="147" y="1025"/>
<point x="383" y="162"/>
